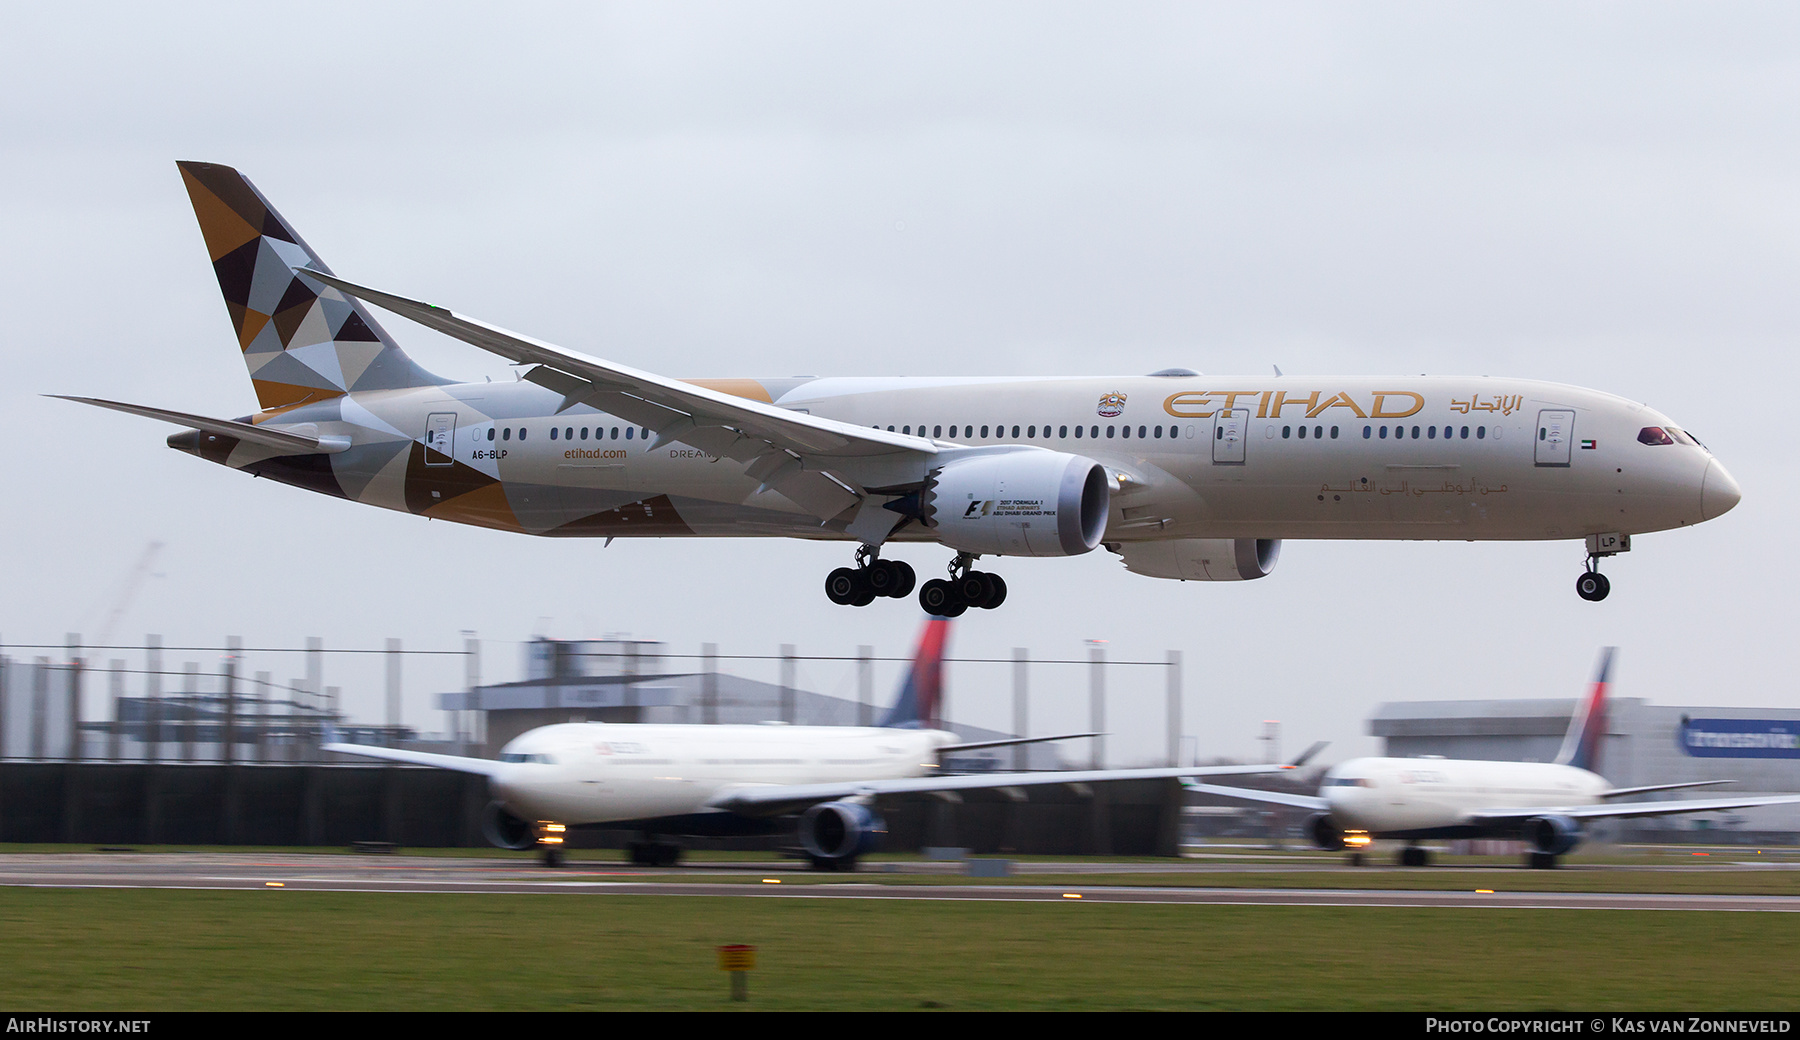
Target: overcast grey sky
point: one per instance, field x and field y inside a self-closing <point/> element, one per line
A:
<point x="1601" y="194"/>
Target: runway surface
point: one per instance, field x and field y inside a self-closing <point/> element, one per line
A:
<point x="779" y="880"/>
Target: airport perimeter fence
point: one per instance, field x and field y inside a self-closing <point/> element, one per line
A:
<point x="238" y="704"/>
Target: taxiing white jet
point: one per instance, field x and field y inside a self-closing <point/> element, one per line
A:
<point x="1543" y="804"/>
<point x="714" y="780"/>
<point x="1183" y="476"/>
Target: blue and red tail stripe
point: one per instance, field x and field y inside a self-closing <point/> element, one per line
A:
<point x="921" y="700"/>
<point x="1581" y="746"/>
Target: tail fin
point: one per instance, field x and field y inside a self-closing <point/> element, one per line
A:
<point x="303" y="341"/>
<point x="921" y="699"/>
<point x="1581" y="745"/>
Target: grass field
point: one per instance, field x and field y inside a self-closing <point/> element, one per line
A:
<point x="87" y="949"/>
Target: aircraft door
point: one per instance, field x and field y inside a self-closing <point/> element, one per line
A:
<point x="1555" y="429"/>
<point x="440" y="438"/>
<point x="1228" y="435"/>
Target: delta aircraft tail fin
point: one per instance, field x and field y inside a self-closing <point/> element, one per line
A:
<point x="302" y="340"/>
<point x="921" y="700"/>
<point x="1581" y="746"/>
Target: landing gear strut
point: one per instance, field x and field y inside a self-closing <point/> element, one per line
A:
<point x="966" y="588"/>
<point x="871" y="577"/>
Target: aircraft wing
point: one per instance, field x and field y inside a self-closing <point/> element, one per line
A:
<point x="1628" y="809"/>
<point x="1621" y="792"/>
<point x="1295" y="801"/>
<point x="484" y="766"/>
<point x="822" y="465"/>
<point x="776" y="799"/>
<point x="278" y="440"/>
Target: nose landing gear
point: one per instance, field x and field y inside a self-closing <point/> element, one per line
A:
<point x="1592" y="585"/>
<point x="871" y="577"/>
<point x="966" y="588"/>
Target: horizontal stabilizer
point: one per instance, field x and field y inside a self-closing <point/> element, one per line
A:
<point x="277" y="440"/>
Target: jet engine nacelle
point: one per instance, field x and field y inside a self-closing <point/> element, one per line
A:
<point x="1019" y="503"/>
<point x="1201" y="559"/>
<point x="505" y="830"/>
<point x="840" y="830"/>
<point x="1553" y="835"/>
<point x="1325" y="834"/>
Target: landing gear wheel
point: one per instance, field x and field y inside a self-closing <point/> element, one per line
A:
<point x="997" y="592"/>
<point x="553" y="856"/>
<point x="883" y="577"/>
<point x="938" y="597"/>
<point x="841" y="586"/>
<point x="974" y="588"/>
<point x="1592" y="586"/>
<point x="1414" y="856"/>
<point x="904" y="580"/>
<point x="1541" y="861"/>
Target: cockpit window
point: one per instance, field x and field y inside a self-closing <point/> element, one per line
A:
<point x="1668" y="435"/>
<point x="516" y="756"/>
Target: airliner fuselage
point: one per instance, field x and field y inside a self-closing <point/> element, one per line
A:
<point x="1189" y="457"/>
<point x="587" y="773"/>
<point x="1427" y="797"/>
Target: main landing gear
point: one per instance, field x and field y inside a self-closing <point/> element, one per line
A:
<point x="871" y="577"/>
<point x="966" y="588"/>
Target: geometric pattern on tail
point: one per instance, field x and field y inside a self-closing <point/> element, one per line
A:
<point x="302" y="340"/>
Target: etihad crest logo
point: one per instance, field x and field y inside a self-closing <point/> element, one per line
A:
<point x="1111" y="405"/>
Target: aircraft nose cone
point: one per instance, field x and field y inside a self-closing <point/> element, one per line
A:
<point x="1718" y="492"/>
